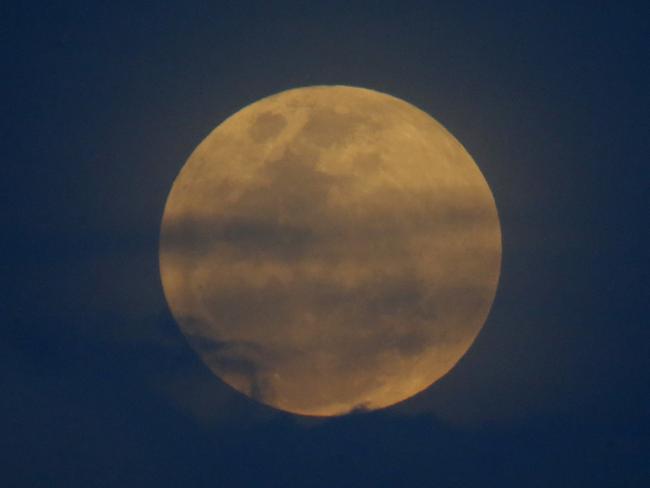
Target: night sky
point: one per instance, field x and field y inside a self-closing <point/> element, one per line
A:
<point x="102" y="105"/>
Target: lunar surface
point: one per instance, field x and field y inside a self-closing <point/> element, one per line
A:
<point x="329" y="249"/>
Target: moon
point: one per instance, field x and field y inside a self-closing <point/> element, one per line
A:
<point x="329" y="249"/>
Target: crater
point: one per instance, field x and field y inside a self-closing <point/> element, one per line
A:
<point x="267" y="126"/>
<point x="326" y="127"/>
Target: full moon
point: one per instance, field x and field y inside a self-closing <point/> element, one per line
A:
<point x="330" y="249"/>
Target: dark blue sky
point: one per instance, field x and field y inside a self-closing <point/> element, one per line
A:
<point x="102" y="104"/>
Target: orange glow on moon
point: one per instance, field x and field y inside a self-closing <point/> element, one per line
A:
<point x="330" y="248"/>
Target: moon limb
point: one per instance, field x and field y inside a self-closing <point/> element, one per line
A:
<point x="329" y="248"/>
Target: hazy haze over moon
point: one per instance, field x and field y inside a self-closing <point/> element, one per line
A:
<point x="330" y="248"/>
